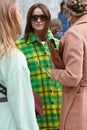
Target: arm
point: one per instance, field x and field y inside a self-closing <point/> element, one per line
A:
<point x="73" y="60"/>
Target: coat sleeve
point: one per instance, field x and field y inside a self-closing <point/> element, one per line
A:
<point x="73" y="60"/>
<point x="20" y="97"/>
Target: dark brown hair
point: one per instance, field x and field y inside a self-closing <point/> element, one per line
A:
<point x="28" y="28"/>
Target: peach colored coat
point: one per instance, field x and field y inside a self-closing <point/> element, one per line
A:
<point x="74" y="77"/>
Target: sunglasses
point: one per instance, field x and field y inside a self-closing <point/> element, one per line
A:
<point x="41" y="17"/>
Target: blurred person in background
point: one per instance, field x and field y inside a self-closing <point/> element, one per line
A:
<point x="56" y="28"/>
<point x="62" y="15"/>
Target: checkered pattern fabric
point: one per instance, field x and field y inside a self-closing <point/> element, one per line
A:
<point x="49" y="91"/>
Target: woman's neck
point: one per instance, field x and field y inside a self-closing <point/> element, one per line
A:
<point x="39" y="36"/>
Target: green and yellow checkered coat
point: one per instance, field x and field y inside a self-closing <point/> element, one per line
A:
<point x="49" y="91"/>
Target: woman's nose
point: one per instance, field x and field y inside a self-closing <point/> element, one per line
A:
<point x="39" y="20"/>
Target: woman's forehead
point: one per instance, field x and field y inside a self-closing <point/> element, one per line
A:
<point x="37" y="11"/>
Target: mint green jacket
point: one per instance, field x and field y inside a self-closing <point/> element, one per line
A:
<point x="19" y="112"/>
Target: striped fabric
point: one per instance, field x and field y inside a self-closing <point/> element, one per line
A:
<point x="49" y="91"/>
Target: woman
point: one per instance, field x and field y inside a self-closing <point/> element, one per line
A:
<point x="74" y="76"/>
<point x="62" y="16"/>
<point x="17" y="111"/>
<point x="34" y="46"/>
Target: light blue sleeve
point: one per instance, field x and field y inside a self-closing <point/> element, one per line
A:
<point x="20" y="97"/>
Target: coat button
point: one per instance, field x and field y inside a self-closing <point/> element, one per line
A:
<point x="52" y="102"/>
<point x="50" y="90"/>
<point x="45" y="53"/>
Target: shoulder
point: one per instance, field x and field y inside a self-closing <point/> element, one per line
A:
<point x="17" y="57"/>
<point x="56" y="42"/>
<point x="50" y="36"/>
<point x="59" y="14"/>
<point x="20" y="41"/>
<point x="16" y="60"/>
<point x="72" y="37"/>
<point x="72" y="31"/>
<point x="11" y="63"/>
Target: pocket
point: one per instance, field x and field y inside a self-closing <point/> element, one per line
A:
<point x="77" y="116"/>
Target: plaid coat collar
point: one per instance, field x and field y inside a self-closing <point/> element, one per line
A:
<point x="32" y="38"/>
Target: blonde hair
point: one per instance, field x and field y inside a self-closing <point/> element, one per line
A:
<point x="8" y="24"/>
<point x="55" y="24"/>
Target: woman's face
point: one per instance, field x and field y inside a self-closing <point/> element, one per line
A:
<point x="38" y="19"/>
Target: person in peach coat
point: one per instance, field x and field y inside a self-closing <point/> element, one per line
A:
<point x="74" y="76"/>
